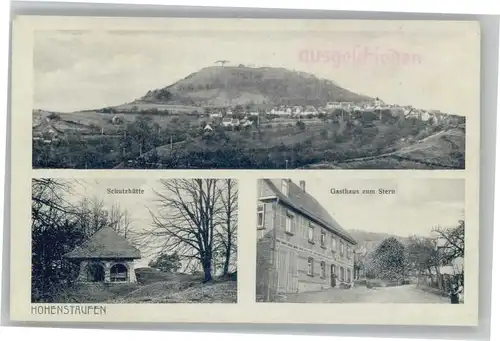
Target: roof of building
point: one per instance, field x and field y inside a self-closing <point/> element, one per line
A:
<point x="307" y="204"/>
<point x="105" y="243"/>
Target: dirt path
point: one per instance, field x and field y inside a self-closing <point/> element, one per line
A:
<point x="399" y="294"/>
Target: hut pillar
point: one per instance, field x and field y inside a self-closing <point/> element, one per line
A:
<point x="107" y="272"/>
<point x="82" y="275"/>
<point x="131" y="273"/>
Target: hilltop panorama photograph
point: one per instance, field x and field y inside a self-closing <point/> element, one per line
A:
<point x="215" y="100"/>
<point x="314" y="246"/>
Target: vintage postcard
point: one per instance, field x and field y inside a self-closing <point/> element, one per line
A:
<point x="245" y="171"/>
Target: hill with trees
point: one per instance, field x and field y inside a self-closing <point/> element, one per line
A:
<point x="241" y="85"/>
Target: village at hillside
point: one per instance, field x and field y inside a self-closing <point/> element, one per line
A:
<point x="247" y="136"/>
<point x="238" y="117"/>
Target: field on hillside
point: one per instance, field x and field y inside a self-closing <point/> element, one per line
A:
<point x="104" y="120"/>
<point x="178" y="141"/>
<point x="154" y="287"/>
<point x="319" y="145"/>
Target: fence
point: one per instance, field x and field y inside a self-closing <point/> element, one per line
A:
<point x="441" y="282"/>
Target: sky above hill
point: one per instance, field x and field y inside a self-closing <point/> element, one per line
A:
<point x="417" y="206"/>
<point x="76" y="70"/>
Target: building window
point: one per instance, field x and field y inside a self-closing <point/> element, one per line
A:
<point x="333" y="270"/>
<point x="118" y="273"/>
<point x="311" y="233"/>
<point x="323" y="238"/>
<point x="334" y="244"/>
<point x="284" y="187"/>
<point x="341" y="249"/>
<point x="342" y="275"/>
<point x="348" y="252"/>
<point x="322" y="269"/>
<point x="310" y="267"/>
<point x="348" y="279"/>
<point x="260" y="215"/>
<point x="289" y="223"/>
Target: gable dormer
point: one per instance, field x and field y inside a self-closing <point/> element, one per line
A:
<point x="285" y="187"/>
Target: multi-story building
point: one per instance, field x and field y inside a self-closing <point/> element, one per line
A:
<point x="300" y="246"/>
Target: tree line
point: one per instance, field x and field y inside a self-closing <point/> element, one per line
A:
<point x="58" y="226"/>
<point x="394" y="259"/>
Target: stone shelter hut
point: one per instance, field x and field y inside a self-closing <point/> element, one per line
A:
<point x="105" y="257"/>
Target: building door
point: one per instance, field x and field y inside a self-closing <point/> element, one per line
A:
<point x="282" y="264"/>
<point x="287" y="269"/>
<point x="333" y="276"/>
<point x="294" y="264"/>
<point x="95" y="272"/>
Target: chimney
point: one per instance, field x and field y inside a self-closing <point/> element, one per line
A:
<point x="303" y="185"/>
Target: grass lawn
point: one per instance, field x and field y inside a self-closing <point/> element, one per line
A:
<point x="154" y="287"/>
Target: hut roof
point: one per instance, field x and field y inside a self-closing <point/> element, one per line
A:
<point x="105" y="243"/>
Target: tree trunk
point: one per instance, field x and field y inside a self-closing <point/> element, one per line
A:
<point x="226" y="261"/>
<point x="207" y="269"/>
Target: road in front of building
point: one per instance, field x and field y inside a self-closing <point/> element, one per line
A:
<point x="397" y="294"/>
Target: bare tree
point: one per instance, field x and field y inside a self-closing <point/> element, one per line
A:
<point x="185" y="221"/>
<point x="48" y="196"/>
<point x="119" y="220"/>
<point x="454" y="241"/>
<point x="423" y="255"/>
<point x="53" y="233"/>
<point x="227" y="221"/>
<point x="92" y="215"/>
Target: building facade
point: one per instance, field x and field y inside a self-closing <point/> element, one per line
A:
<point x="300" y="247"/>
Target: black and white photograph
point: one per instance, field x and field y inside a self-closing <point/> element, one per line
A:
<point x="255" y="95"/>
<point x="134" y="240"/>
<point x="349" y="149"/>
<point x="361" y="240"/>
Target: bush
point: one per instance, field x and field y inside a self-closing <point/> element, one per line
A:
<point x="360" y="282"/>
<point x="53" y="116"/>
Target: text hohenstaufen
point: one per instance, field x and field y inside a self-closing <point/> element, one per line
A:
<point x="50" y="309"/>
